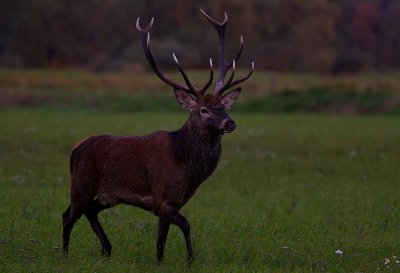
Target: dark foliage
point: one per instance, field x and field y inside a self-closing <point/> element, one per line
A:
<point x="318" y="36"/>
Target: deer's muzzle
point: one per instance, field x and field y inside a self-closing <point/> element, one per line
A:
<point x="228" y="126"/>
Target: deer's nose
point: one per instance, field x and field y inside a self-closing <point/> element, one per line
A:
<point x="229" y="125"/>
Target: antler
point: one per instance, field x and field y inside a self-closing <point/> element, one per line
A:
<point x="224" y="66"/>
<point x="189" y="88"/>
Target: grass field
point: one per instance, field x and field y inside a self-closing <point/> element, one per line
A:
<point x="289" y="192"/>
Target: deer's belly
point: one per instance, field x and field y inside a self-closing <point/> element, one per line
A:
<point x="144" y="202"/>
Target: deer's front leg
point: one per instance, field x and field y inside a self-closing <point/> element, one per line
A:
<point x="163" y="227"/>
<point x="171" y="215"/>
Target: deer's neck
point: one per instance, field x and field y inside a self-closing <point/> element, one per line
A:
<point x="198" y="148"/>
<point x="196" y="138"/>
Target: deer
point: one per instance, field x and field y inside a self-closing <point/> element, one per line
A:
<point x="161" y="171"/>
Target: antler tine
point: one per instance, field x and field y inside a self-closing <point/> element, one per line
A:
<point x="147" y="29"/>
<point x="145" y="39"/>
<point x="217" y="25"/>
<point x="236" y="82"/>
<point x="210" y="79"/>
<point x="238" y="53"/>
<point x="145" y="35"/>
<point x="192" y="90"/>
<point x="229" y="81"/>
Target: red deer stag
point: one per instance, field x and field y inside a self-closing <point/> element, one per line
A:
<point x="161" y="171"/>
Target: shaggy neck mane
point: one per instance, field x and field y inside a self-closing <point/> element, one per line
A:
<point x="197" y="146"/>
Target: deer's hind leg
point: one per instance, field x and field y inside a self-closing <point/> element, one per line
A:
<point x="70" y="217"/>
<point x="91" y="214"/>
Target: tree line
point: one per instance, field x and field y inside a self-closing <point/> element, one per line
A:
<point x="324" y="36"/>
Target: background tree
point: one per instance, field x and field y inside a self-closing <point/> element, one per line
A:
<point x="300" y="35"/>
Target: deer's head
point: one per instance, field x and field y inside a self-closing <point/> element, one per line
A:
<point x="209" y="109"/>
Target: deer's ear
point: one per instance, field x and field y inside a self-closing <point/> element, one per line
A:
<point x="230" y="98"/>
<point x="184" y="99"/>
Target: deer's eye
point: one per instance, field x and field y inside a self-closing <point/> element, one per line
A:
<point x="204" y="110"/>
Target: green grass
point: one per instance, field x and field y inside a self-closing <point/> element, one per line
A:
<point x="288" y="192"/>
